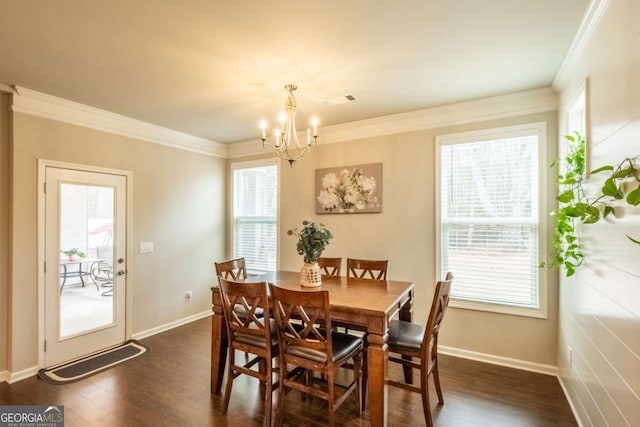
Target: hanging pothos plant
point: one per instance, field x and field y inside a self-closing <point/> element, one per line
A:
<point x="575" y="207"/>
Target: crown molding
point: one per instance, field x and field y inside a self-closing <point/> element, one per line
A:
<point x="588" y="25"/>
<point x="496" y="107"/>
<point x="38" y="104"/>
<point x="5" y="88"/>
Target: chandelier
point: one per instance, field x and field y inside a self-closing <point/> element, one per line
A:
<point x="286" y="144"/>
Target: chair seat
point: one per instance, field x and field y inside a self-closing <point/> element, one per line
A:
<point x="405" y="335"/>
<point x="343" y="346"/>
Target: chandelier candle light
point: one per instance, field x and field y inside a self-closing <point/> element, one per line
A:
<point x="286" y="144"/>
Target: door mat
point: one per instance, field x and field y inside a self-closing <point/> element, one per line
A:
<point x="85" y="367"/>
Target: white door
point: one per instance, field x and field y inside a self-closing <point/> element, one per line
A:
<point x="84" y="296"/>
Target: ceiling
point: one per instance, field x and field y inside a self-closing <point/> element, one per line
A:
<point x="214" y="68"/>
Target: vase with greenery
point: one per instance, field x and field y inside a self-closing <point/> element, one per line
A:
<point x="313" y="238"/>
<point x="73" y="254"/>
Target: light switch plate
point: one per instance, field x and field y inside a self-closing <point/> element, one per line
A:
<point x="146" y="247"/>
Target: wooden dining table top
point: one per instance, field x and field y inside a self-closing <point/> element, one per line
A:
<point x="363" y="295"/>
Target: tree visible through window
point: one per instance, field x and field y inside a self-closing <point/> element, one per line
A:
<point x="489" y="217"/>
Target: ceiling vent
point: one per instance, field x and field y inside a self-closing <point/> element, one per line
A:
<point x="337" y="100"/>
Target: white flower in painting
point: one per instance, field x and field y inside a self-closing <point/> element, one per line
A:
<point x="328" y="200"/>
<point x="367" y="183"/>
<point x="347" y="191"/>
<point x="330" y="180"/>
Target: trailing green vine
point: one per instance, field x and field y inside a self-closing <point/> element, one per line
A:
<point x="575" y="207"/>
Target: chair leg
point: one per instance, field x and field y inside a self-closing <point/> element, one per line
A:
<point x="407" y="370"/>
<point x="308" y="380"/>
<point x="331" y="396"/>
<point x="363" y="395"/>
<point x="357" y="371"/>
<point x="424" y="385"/>
<point x="281" y="394"/>
<point x="227" y="389"/>
<point x="436" y="380"/>
<point x="262" y="368"/>
<point x="268" y="397"/>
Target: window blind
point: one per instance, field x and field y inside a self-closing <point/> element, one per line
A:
<point x="255" y="198"/>
<point x="489" y="220"/>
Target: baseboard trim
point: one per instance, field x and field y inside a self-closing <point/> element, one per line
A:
<point x="4" y="376"/>
<point x="571" y="402"/>
<point x="167" y="326"/>
<point x="14" y="377"/>
<point x="524" y="365"/>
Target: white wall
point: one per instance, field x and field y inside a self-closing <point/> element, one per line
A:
<point x="600" y="305"/>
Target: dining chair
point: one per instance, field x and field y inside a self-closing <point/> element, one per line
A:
<point x="367" y="269"/>
<point x="252" y="334"/>
<point x="416" y="341"/>
<point x="330" y="266"/>
<point x="101" y="272"/>
<point x="311" y="345"/>
<point x="233" y="269"/>
<point x="236" y="270"/>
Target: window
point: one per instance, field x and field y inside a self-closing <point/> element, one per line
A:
<point x="577" y="110"/>
<point x="490" y="234"/>
<point x="254" y="212"/>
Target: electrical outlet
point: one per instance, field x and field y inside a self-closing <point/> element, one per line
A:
<point x="570" y="356"/>
<point x="189" y="296"/>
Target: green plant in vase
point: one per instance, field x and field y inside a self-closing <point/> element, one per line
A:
<point x="73" y="253"/>
<point x="313" y="238"/>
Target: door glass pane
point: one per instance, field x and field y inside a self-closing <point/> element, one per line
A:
<point x="86" y="258"/>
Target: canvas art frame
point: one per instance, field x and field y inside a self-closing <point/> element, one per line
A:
<point x="349" y="189"/>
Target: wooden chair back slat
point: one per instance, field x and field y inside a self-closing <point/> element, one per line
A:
<point x="233" y="269"/>
<point x="330" y="266"/>
<point x="367" y="269"/>
<point x="434" y="321"/>
<point x="252" y="297"/>
<point x="301" y="317"/>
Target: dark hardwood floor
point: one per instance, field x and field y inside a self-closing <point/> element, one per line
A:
<point x="169" y="386"/>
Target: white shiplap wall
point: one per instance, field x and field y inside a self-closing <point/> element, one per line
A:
<point x="600" y="306"/>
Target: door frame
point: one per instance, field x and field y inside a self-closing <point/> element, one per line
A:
<point x="128" y="175"/>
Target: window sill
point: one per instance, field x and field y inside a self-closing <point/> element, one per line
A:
<point x="537" y="312"/>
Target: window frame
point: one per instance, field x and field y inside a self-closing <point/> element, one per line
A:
<point x="538" y="129"/>
<point x="248" y="164"/>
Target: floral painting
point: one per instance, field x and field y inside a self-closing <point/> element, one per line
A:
<point x="349" y="189"/>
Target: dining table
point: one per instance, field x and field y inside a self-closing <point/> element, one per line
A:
<point x="363" y="304"/>
<point x="78" y="272"/>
